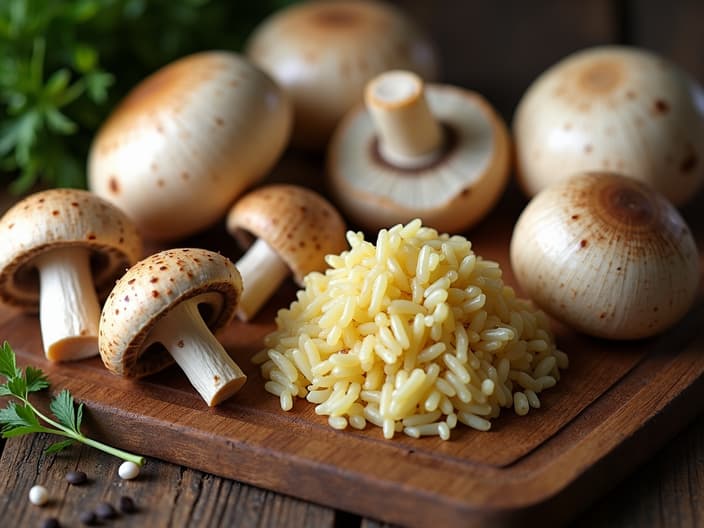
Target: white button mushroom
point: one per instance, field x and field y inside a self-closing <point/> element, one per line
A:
<point x="322" y="54"/>
<point x="295" y="229"/>
<point x="607" y="255"/>
<point x="153" y="317"/>
<point x="78" y="243"/>
<point x="188" y="140"/>
<point x="445" y="160"/>
<point x="614" y="109"/>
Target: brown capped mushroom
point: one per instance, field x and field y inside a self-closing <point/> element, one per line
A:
<point x="188" y="140"/>
<point x="165" y="309"/>
<point x="322" y="54"/>
<point x="59" y="247"/>
<point x="617" y="109"/>
<point x="439" y="153"/>
<point x="295" y="229"/>
<point x="607" y="255"/>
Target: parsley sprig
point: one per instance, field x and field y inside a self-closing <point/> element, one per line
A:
<point x="20" y="417"/>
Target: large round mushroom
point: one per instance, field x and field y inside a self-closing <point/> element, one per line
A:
<point x="187" y="141"/>
<point x="62" y="250"/>
<point x="166" y="308"/>
<point x="613" y="108"/>
<point x="436" y="152"/>
<point x="322" y="54"/>
<point x="607" y="255"/>
<point x="295" y="228"/>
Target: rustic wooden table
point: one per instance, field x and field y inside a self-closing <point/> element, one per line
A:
<point x="666" y="492"/>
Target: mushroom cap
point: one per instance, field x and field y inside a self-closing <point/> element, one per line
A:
<point x="63" y="218"/>
<point x="607" y="255"/>
<point x="323" y="53"/>
<point x="149" y="290"/>
<point x="299" y="224"/>
<point x="613" y="108"/>
<point x="451" y="194"/>
<point x="187" y="141"/>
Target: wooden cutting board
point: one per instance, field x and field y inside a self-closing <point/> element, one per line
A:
<point x="615" y="405"/>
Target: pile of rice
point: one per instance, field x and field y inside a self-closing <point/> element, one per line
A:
<point x="412" y="335"/>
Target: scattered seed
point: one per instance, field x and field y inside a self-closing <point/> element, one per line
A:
<point x="76" y="477"/>
<point x="128" y="470"/>
<point x="51" y="522"/>
<point x="105" y="510"/>
<point x="127" y="505"/>
<point x="88" y="518"/>
<point x="38" y="495"/>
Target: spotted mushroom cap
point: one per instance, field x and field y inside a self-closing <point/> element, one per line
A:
<point x="323" y="53"/>
<point x="451" y="194"/>
<point x="187" y="141"/>
<point x="606" y="254"/>
<point x="613" y="108"/>
<point x="63" y="218"/>
<point x="299" y="224"/>
<point x="149" y="290"/>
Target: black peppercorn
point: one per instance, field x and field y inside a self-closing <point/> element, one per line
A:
<point x="51" y="522"/>
<point x="76" y="477"/>
<point x="127" y="505"/>
<point x="88" y="518"/>
<point x="105" y="510"/>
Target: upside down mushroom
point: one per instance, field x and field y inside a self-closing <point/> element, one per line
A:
<point x="607" y="255"/>
<point x="295" y="228"/>
<point x="436" y="152"/>
<point x="187" y="141"/>
<point x="166" y="308"/>
<point x="63" y="249"/>
<point x="614" y="109"/>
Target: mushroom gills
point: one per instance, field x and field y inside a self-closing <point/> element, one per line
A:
<point x="204" y="361"/>
<point x="69" y="311"/>
<point x="262" y="271"/>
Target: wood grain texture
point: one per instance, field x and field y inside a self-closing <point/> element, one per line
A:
<point x="665" y="492"/>
<point x="166" y="495"/>
<point x="615" y="406"/>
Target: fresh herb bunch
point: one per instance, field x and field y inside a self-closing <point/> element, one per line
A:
<point x="21" y="417"/>
<point x="65" y="63"/>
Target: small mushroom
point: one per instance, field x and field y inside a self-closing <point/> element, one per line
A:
<point x="166" y="308"/>
<point x="614" y="109"/>
<point x="187" y="141"/>
<point x="607" y="255"/>
<point x="440" y="153"/>
<point x="295" y="229"/>
<point x="62" y="249"/>
<point x="322" y="54"/>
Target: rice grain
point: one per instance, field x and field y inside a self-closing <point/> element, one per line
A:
<point x="414" y="333"/>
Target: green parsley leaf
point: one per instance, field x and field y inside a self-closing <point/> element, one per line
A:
<point x="8" y="365"/>
<point x="23" y="418"/>
<point x="62" y="407"/>
<point x="58" y="446"/>
<point x="35" y="379"/>
<point x="14" y="416"/>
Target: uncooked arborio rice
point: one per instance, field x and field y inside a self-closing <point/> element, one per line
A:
<point x="413" y="334"/>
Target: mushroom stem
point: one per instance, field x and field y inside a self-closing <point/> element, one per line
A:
<point x="409" y="134"/>
<point x="69" y="312"/>
<point x="262" y="271"/>
<point x="204" y="361"/>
